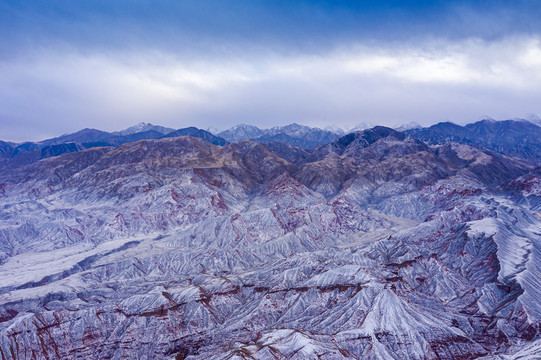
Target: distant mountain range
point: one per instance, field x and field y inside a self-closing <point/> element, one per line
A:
<point x="13" y="155"/>
<point x="515" y="138"/>
<point x="294" y="134"/>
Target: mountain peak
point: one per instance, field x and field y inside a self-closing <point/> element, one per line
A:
<point x="364" y="138"/>
<point x="408" y="126"/>
<point x="195" y="132"/>
<point x="335" y="129"/>
<point x="142" y="127"/>
<point x="241" y="132"/>
<point x="362" y="126"/>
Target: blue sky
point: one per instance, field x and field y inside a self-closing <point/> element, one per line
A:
<point x="66" y="65"/>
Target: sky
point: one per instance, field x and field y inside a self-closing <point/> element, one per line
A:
<point x="68" y="65"/>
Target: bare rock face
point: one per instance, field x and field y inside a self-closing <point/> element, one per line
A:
<point x="376" y="246"/>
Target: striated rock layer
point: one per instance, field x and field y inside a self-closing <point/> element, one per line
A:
<point x="376" y="246"/>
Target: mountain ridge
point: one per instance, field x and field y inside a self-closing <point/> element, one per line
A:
<point x="510" y="137"/>
<point x="515" y="138"/>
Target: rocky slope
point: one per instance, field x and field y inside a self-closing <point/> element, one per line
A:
<point x="376" y="246"/>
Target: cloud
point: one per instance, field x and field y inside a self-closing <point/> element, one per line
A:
<point x="57" y="92"/>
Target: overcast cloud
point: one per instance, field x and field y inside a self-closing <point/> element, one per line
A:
<point x="70" y="65"/>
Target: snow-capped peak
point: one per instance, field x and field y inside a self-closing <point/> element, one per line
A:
<point x="408" y="126"/>
<point x="141" y="127"/>
<point x="335" y="129"/>
<point x="362" y="126"/>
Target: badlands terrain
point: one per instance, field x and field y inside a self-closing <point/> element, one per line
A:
<point x="288" y="243"/>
